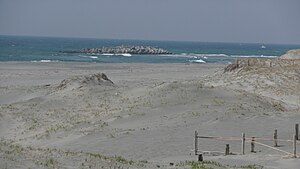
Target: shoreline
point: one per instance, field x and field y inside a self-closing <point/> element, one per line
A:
<point x="3" y="63"/>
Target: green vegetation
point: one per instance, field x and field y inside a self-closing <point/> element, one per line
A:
<point x="52" y="157"/>
<point x="123" y="160"/>
<point x="215" y="165"/>
<point x="252" y="166"/>
<point x="201" y="165"/>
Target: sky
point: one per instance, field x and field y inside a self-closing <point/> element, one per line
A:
<point x="244" y="21"/>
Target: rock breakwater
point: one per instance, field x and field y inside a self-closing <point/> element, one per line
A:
<point x="124" y="49"/>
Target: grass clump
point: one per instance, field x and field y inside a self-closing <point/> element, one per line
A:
<point x="123" y="160"/>
<point x="252" y="166"/>
<point x="215" y="165"/>
<point x="201" y="165"/>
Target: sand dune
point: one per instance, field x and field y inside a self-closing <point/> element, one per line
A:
<point x="144" y="117"/>
<point x="276" y="79"/>
<point x="75" y="82"/>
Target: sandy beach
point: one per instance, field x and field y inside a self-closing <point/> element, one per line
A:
<point x="70" y="115"/>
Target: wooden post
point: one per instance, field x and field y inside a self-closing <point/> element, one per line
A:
<point x="227" y="149"/>
<point x="243" y="143"/>
<point x="294" y="146"/>
<point x="252" y="144"/>
<point x="196" y="142"/>
<point x="200" y="157"/>
<point x="275" y="138"/>
<point x="297" y="131"/>
<point x="248" y="62"/>
<point x="237" y="63"/>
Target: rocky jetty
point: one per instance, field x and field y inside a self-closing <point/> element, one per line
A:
<point x="124" y="49"/>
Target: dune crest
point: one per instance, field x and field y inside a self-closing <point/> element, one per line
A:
<point x="291" y="54"/>
<point x="75" y="82"/>
<point x="277" y="79"/>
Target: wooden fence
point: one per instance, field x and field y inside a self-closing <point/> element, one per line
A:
<point x="253" y="141"/>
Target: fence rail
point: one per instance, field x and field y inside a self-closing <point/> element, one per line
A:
<point x="252" y="141"/>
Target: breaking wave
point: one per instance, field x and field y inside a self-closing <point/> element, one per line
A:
<point x="252" y="56"/>
<point x="116" y="54"/>
<point x="197" y="61"/>
<point x="45" y="61"/>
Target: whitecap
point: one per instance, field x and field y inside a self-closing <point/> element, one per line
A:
<point x="253" y="56"/>
<point x="107" y="54"/>
<point x="126" y="54"/>
<point x="197" y="61"/>
<point x="93" y="57"/>
<point x="45" y="61"/>
<point x="205" y="55"/>
<point x="216" y="55"/>
<point x="196" y="55"/>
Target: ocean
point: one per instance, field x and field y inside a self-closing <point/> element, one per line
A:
<point x="48" y="49"/>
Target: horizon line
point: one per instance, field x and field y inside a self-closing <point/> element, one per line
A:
<point x="153" y="40"/>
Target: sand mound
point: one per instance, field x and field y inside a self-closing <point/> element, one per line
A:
<point x="291" y="54"/>
<point x="246" y="64"/>
<point x="75" y="82"/>
<point x="278" y="79"/>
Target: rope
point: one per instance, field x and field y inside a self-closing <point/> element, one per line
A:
<point x="247" y="138"/>
<point x="277" y="149"/>
<point x="267" y="139"/>
<point x="219" y="138"/>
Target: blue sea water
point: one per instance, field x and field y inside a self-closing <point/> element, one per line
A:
<point x="48" y="49"/>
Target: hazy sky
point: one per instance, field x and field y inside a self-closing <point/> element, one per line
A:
<point x="262" y="21"/>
